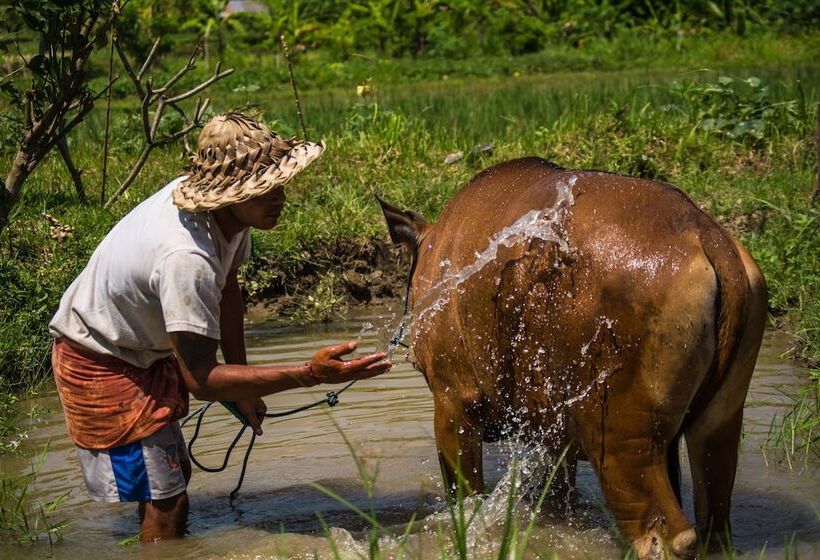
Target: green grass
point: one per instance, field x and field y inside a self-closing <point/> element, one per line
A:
<point x="394" y="144"/>
<point x="262" y="72"/>
<point x="794" y="437"/>
<point x="24" y="519"/>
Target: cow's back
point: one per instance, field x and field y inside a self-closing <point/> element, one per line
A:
<point x="564" y="308"/>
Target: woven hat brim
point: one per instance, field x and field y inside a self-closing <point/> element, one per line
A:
<point x="195" y="193"/>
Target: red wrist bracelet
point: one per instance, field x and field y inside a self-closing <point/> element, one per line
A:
<point x="310" y="373"/>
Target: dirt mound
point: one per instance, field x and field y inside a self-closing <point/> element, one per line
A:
<point x="352" y="272"/>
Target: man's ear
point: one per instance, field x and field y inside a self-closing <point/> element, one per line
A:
<point x="405" y="226"/>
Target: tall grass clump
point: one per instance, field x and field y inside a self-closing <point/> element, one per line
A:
<point x="23" y="518"/>
<point x="795" y="435"/>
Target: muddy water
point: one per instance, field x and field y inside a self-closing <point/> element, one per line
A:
<point x="388" y="425"/>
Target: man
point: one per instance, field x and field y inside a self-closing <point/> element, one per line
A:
<point x="140" y="326"/>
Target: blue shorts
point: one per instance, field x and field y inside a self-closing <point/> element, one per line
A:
<point x="143" y="471"/>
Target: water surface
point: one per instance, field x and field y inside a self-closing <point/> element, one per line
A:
<point x="387" y="423"/>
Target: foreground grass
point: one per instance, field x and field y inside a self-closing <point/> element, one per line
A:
<point x="24" y="519"/>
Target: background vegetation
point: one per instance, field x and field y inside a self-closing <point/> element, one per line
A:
<point x="717" y="97"/>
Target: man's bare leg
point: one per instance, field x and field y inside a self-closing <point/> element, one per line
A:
<point x="186" y="472"/>
<point x="164" y="519"/>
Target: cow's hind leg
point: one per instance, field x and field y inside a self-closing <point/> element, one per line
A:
<point x="632" y="468"/>
<point x="712" y="441"/>
<point x="713" y="432"/>
<point x="458" y="439"/>
<point x="631" y="421"/>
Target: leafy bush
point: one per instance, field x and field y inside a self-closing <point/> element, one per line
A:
<point x="739" y="109"/>
<point x="455" y="29"/>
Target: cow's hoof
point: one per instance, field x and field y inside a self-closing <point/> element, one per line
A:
<point x="685" y="545"/>
<point x="649" y="547"/>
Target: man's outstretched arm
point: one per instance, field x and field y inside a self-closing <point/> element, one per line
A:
<point x="209" y="380"/>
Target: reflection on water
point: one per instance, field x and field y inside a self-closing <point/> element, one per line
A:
<point x="388" y="425"/>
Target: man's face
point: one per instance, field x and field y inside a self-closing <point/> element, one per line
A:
<point x="261" y="212"/>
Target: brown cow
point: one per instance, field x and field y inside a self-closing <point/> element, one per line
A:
<point x="588" y="309"/>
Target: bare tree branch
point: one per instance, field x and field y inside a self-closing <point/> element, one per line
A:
<point x="815" y="193"/>
<point x="76" y="120"/>
<point x="184" y="70"/>
<point x="157" y="116"/>
<point x="157" y="100"/>
<point x="286" y="52"/>
<point x="88" y="26"/>
<point x="190" y="93"/>
<point x="149" y="60"/>
<point x="19" y="53"/>
<point x="106" y="134"/>
<point x="129" y="69"/>
<point x="76" y="174"/>
<point x="203" y="108"/>
<point x="13" y="73"/>
<point x="27" y="112"/>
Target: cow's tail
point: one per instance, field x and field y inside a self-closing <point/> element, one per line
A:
<point x="732" y="305"/>
<point x="732" y="311"/>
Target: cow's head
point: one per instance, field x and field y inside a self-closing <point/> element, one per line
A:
<point x="406" y="227"/>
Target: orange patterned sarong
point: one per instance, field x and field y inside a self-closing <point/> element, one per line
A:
<point x="108" y="402"/>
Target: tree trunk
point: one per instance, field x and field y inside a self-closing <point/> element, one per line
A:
<point x="76" y="174"/>
<point x="815" y="193"/>
<point x="220" y="40"/>
<point x="20" y="169"/>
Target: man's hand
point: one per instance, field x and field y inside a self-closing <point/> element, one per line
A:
<point x="327" y="365"/>
<point x="254" y="412"/>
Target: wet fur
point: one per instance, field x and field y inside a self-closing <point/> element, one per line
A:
<point x="654" y="316"/>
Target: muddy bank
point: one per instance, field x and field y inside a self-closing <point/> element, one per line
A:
<point x="341" y="274"/>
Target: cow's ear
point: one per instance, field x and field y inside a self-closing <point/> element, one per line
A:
<point x="405" y="226"/>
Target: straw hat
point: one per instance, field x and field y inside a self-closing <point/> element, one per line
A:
<point x="237" y="159"/>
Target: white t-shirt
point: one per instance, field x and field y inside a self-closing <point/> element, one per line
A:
<point x="159" y="270"/>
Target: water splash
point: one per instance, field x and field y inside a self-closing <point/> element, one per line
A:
<point x="367" y="329"/>
<point x="536" y="224"/>
<point x="530" y="466"/>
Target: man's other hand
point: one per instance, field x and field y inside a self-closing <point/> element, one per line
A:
<point x="254" y="412"/>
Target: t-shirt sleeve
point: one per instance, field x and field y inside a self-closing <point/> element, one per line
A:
<point x="189" y="293"/>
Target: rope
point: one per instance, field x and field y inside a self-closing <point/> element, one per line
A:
<point x="398" y="336"/>
<point x="331" y="399"/>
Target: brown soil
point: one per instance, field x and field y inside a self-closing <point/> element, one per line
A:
<point x="368" y="271"/>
